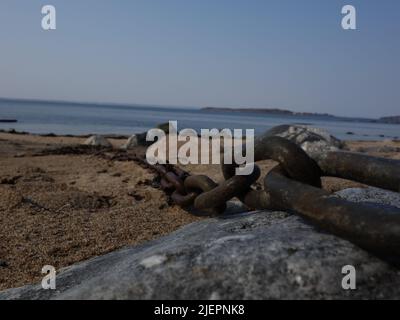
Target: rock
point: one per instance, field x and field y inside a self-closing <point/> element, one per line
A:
<point x="265" y="255"/>
<point x="98" y="141"/>
<point x="132" y="143"/>
<point x="3" y="264"/>
<point x="135" y="141"/>
<point x="314" y="141"/>
<point x="371" y="194"/>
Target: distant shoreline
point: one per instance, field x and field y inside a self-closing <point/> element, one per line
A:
<point x="283" y="112"/>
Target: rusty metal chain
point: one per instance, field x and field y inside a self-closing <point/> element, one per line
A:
<point x="295" y="185"/>
<point x="182" y="187"/>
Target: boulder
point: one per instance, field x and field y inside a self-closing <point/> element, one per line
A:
<point x="314" y="141"/>
<point x="98" y="141"/>
<point x="261" y="255"/>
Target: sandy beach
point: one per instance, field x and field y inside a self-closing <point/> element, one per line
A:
<point x="59" y="209"/>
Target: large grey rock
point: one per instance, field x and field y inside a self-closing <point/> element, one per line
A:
<point x="314" y="141"/>
<point x="98" y="141"/>
<point x="266" y="255"/>
<point x="371" y="194"/>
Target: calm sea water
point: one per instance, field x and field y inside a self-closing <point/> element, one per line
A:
<point x="72" y="118"/>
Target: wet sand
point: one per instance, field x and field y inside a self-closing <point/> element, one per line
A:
<point x="61" y="209"/>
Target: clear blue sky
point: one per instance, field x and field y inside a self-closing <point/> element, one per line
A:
<point x="281" y="53"/>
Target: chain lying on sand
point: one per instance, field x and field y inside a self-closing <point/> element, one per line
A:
<point x="295" y="185"/>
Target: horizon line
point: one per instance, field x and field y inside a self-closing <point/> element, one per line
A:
<point x="123" y="104"/>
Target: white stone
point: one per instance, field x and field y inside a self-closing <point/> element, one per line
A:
<point x="98" y="141"/>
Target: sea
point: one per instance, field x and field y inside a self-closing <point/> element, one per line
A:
<point x="70" y="118"/>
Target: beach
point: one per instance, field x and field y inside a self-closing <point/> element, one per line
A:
<point x="61" y="207"/>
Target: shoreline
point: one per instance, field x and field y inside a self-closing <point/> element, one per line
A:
<point x="282" y="112"/>
<point x="118" y="136"/>
<point x="25" y="133"/>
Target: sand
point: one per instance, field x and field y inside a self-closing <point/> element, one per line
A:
<point x="61" y="209"/>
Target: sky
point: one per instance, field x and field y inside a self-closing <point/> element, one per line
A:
<point x="288" y="54"/>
